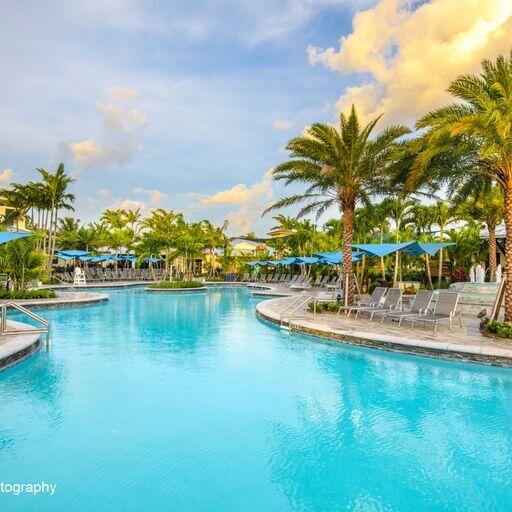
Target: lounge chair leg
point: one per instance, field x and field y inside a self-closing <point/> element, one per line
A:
<point x="435" y="326"/>
<point x="460" y="320"/>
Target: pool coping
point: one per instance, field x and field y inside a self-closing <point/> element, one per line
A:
<point x="461" y="352"/>
<point x="15" y="348"/>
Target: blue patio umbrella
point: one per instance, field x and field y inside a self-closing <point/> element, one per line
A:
<point x="7" y="236"/>
<point x="382" y="250"/>
<point x="306" y="260"/>
<point x="336" y="257"/>
<point x="432" y="248"/>
<point x="64" y="257"/>
<point x="97" y="259"/>
<point x="74" y="253"/>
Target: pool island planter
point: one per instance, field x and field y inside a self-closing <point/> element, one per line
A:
<point x="177" y="290"/>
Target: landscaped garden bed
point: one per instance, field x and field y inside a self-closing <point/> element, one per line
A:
<point x="27" y="294"/>
<point x="497" y="329"/>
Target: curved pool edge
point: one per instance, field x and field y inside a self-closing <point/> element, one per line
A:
<point x="15" y="348"/>
<point x="471" y="353"/>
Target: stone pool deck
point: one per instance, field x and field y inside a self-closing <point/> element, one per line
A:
<point x="14" y="348"/>
<point x="62" y="299"/>
<point x="464" y="343"/>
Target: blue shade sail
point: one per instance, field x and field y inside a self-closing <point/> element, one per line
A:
<point x="7" y="236"/>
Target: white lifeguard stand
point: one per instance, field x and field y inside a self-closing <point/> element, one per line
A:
<point x="79" y="277"/>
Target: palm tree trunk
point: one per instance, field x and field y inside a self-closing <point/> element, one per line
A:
<point x="348" y="226"/>
<point x="429" y="273"/>
<point x="492" y="251"/>
<point x="440" y="269"/>
<point x="395" y="274"/>
<point x="508" y="252"/>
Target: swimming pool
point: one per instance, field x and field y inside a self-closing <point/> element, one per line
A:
<point x="160" y="402"/>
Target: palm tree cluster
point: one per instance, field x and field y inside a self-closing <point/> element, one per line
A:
<point x="463" y="149"/>
<point x="40" y="202"/>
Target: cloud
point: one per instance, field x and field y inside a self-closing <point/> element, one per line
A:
<point x="115" y="118"/>
<point x="120" y="93"/>
<point x="122" y="127"/>
<point x="6" y="176"/>
<point x="155" y="196"/>
<point x="89" y="154"/>
<point x="250" y="200"/>
<point x="132" y="204"/>
<point x="282" y="125"/>
<point x="241" y="193"/>
<point x="410" y="52"/>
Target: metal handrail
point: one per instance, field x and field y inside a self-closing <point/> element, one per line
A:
<point x="303" y="300"/>
<point x="65" y="283"/>
<point x="3" y="323"/>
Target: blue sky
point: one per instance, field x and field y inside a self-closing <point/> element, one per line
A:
<point x="188" y="105"/>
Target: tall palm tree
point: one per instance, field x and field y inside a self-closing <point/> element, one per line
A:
<point x="341" y="167"/>
<point x="477" y="132"/>
<point x="54" y="188"/>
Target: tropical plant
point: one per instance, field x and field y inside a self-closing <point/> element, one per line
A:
<point x="340" y="167"/>
<point x="485" y="205"/>
<point x="22" y="262"/>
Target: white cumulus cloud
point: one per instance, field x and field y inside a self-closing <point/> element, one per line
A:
<point x="411" y="51"/>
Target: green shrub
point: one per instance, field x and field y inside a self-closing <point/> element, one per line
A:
<point x="26" y="294"/>
<point x="503" y="329"/>
<point x="176" y="284"/>
<point x="333" y="307"/>
<point x="215" y="279"/>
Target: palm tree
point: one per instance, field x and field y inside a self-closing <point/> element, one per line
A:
<point x="214" y="239"/>
<point x="423" y="219"/>
<point x="485" y="206"/>
<point x="444" y="214"/>
<point x="114" y="219"/>
<point x="475" y="135"/>
<point x="54" y="189"/>
<point x="341" y="167"/>
<point x="399" y="210"/>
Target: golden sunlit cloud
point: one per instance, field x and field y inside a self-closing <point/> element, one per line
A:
<point x="412" y="54"/>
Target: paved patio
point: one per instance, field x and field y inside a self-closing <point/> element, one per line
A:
<point x="461" y="343"/>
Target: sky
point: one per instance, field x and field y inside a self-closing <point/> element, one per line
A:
<point x="189" y="104"/>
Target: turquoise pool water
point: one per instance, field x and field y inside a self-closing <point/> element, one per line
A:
<point x="160" y="402"/>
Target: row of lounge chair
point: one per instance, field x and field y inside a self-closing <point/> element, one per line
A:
<point x="293" y="280"/>
<point x="387" y="304"/>
<point x="106" y="275"/>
